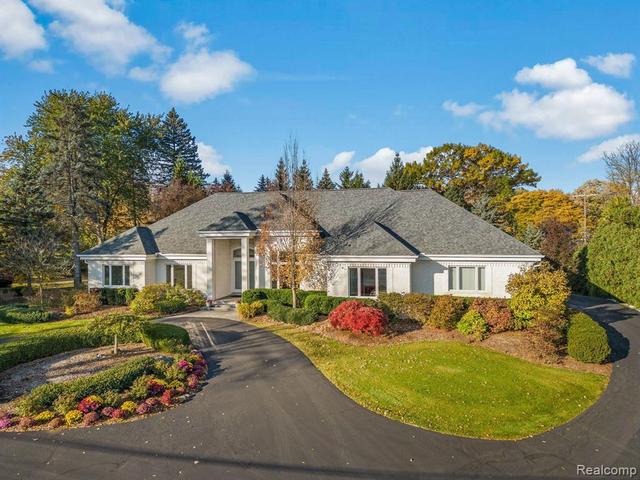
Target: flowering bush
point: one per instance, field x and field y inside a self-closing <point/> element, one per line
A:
<point x="107" y="412"/>
<point x="7" y="421"/>
<point x="165" y="399"/>
<point x="128" y="407"/>
<point x="90" y="418"/>
<point x="143" y="409"/>
<point x="26" y="423"/>
<point x="90" y="404"/>
<point x="193" y="382"/>
<point x="56" y="422"/>
<point x="44" y="416"/>
<point x="74" y="416"/>
<point x="119" y="414"/>
<point x="358" y="318"/>
<point x="185" y="365"/>
<point x="156" y="386"/>
<point x="153" y="402"/>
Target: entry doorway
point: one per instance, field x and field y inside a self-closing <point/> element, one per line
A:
<point x="236" y="270"/>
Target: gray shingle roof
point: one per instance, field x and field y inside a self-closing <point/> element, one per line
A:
<point x="377" y="221"/>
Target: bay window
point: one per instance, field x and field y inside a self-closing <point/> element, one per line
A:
<point x="116" y="276"/>
<point x="367" y="282"/>
<point x="181" y="275"/>
<point x="467" y="278"/>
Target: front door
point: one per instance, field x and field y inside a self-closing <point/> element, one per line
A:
<point x="237" y="274"/>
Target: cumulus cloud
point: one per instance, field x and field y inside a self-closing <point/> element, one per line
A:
<point x="19" y="32"/>
<point x="194" y="34"/>
<point x="375" y="166"/>
<point x="340" y="161"/>
<point x="144" y="74"/>
<point x="576" y="108"/>
<point x="559" y="75"/>
<point x="616" y="64"/>
<point x="465" y="110"/>
<point x="201" y="75"/>
<point x="611" y="145"/>
<point x="211" y="160"/>
<point x="100" y="31"/>
<point x="42" y="66"/>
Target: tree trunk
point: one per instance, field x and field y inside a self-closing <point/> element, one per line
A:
<point x="75" y="245"/>
<point x="115" y="344"/>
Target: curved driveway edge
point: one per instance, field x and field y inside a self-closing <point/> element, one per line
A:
<point x="266" y="412"/>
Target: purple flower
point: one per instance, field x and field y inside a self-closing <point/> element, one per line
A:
<point x="184" y="365"/>
<point x="143" y="408"/>
<point x="6" y="422"/>
<point x="108" y="411"/>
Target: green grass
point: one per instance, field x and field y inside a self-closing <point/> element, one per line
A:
<point x="451" y="387"/>
<point x="22" y="329"/>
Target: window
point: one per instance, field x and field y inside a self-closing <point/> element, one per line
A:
<point x="367" y="282"/>
<point x="181" y="275"/>
<point x="467" y="278"/>
<point x="116" y="276"/>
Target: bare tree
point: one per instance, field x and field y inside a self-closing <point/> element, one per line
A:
<point x="623" y="168"/>
<point x="289" y="237"/>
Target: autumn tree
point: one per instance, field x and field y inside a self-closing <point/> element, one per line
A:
<point x="559" y="243"/>
<point x="468" y="172"/>
<point x="535" y="206"/>
<point x="289" y="238"/>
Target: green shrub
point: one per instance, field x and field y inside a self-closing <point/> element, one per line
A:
<point x="116" y="378"/>
<point x="165" y="337"/>
<point x="250" y="310"/>
<point x="322" y="304"/>
<point x="282" y="295"/>
<point x="287" y="314"/>
<point x="412" y="306"/>
<point x="23" y="313"/>
<point x="446" y="312"/>
<point x="473" y="325"/>
<point x="538" y="288"/>
<point x="54" y="342"/>
<point x="587" y="340"/>
<point x="112" y="398"/>
<point x="65" y="403"/>
<point x="153" y="298"/>
<point x="496" y="313"/>
<point x="116" y="296"/>
<point x="173" y="305"/>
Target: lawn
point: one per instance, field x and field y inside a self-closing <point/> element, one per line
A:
<point x="450" y="387"/>
<point x="20" y="329"/>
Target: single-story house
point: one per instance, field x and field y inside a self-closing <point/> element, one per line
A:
<point x="374" y="240"/>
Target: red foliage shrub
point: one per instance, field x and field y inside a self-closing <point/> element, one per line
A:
<point x="496" y="313"/>
<point x="358" y="318"/>
<point x="165" y="399"/>
<point x="90" y="418"/>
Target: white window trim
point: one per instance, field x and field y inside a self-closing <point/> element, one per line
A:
<point x="458" y="280"/>
<point x="358" y="268"/>
<point x="187" y="266"/>
<point x="124" y="275"/>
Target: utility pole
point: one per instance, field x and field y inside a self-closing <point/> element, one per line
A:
<point x="584" y="212"/>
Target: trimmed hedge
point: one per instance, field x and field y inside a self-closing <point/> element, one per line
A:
<point x="322" y="304"/>
<point x="165" y="298"/>
<point x="447" y="311"/>
<point x="51" y="343"/>
<point x="412" y="306"/>
<point x="165" y="337"/>
<point x="23" y="313"/>
<point x="287" y="314"/>
<point x="118" y="378"/>
<point x="282" y="295"/>
<point x="587" y="340"/>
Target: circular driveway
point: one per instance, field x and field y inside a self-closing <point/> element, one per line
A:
<point x="266" y="412"/>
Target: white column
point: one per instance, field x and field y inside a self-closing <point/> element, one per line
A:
<point x="244" y="256"/>
<point x="257" y="259"/>
<point x="211" y="279"/>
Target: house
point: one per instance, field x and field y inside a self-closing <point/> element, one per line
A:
<point x="374" y="240"/>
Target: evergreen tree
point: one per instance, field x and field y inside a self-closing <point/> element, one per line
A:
<point x="325" y="182"/>
<point x="228" y="183"/>
<point x="281" y="177"/>
<point x="345" y="177"/>
<point x="352" y="179"/>
<point x="359" y="181"/>
<point x="214" y="187"/>
<point x="393" y="178"/>
<point x="302" y="177"/>
<point x="263" y="184"/>
<point x="176" y="142"/>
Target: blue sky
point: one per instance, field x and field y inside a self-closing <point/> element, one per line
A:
<point x="555" y="82"/>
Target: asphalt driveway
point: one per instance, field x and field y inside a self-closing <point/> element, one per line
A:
<point x="266" y="412"/>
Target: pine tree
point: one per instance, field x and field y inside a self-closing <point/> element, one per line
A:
<point x="352" y="179"/>
<point x="359" y="181"/>
<point x="346" y="177"/>
<point x="263" y="184"/>
<point x="214" y="187"/>
<point x="325" y="182"/>
<point x="228" y="184"/>
<point x="281" y="177"/>
<point x="176" y="142"/>
<point x="303" y="180"/>
<point x="393" y="178"/>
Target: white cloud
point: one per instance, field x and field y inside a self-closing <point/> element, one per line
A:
<point x="573" y="114"/>
<point x="340" y="161"/>
<point x="559" y="75"/>
<point x="611" y="145"/>
<point x="102" y="32"/>
<point x="466" y="110"/>
<point x="211" y="160"/>
<point x="616" y="64"/>
<point x="144" y="74"/>
<point x="19" y="32"/>
<point x="374" y="167"/>
<point x="42" y="66"/>
<point x="197" y="76"/>
<point x="196" y="35"/>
